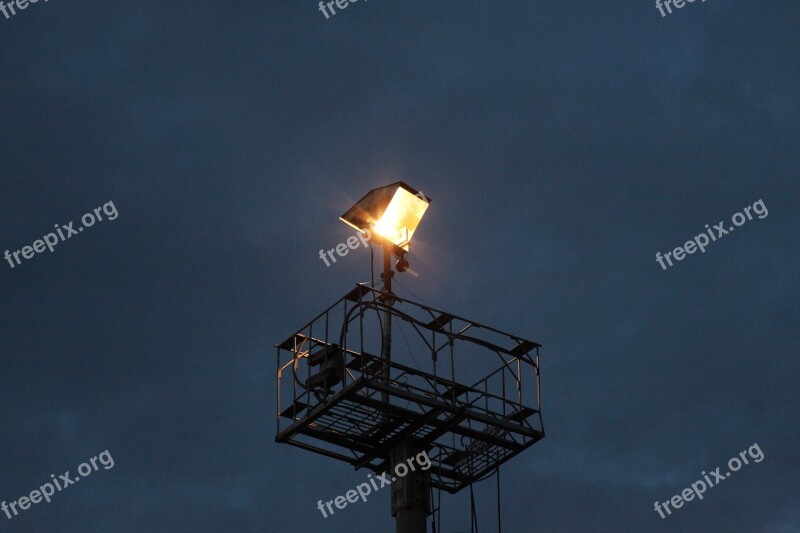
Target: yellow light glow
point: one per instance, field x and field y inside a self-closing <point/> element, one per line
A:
<point x="401" y="218"/>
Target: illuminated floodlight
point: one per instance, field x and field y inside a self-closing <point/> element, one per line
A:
<point x="391" y="214"/>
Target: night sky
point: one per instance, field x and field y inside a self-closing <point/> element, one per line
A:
<point x="564" y="144"/>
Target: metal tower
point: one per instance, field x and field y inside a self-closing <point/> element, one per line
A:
<point x="466" y="394"/>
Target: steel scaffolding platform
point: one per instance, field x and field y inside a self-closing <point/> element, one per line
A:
<point x="466" y="393"/>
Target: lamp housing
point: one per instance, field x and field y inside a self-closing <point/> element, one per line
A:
<point x="391" y="214"/>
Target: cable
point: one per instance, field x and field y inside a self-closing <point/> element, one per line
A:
<point x="439" y="490"/>
<point x="433" y="512"/>
<point x="433" y="304"/>
<point x="474" y="514"/>
<point x="380" y="320"/>
<point x="371" y="265"/>
<point x="410" y="352"/>
<point x="499" y="523"/>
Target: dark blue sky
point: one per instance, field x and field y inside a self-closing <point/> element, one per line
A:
<point x="564" y="144"/>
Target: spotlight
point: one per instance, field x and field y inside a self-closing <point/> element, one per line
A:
<point x="391" y="214"/>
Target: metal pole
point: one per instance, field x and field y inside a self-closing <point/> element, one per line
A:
<point x="409" y="492"/>
<point x="386" y="345"/>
